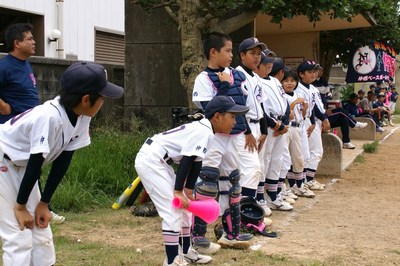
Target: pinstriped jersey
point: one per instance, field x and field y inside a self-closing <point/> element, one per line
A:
<point x="309" y="95"/>
<point x="255" y="95"/>
<point x="276" y="103"/>
<point x="297" y="110"/>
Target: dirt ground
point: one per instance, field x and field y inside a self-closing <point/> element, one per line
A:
<point x="354" y="221"/>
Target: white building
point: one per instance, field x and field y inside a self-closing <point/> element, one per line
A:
<point x="91" y="30"/>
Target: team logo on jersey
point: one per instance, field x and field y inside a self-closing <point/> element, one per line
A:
<point x="42" y="140"/>
<point x="198" y="148"/>
<point x="204" y="150"/>
<point x="33" y="79"/>
<point x="195" y="93"/>
<point x="258" y="92"/>
<point x="3" y="169"/>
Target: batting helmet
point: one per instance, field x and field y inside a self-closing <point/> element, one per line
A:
<point x="250" y="212"/>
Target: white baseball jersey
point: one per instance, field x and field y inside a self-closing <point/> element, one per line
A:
<point x="204" y="89"/>
<point x="313" y="151"/>
<point x="158" y="177"/>
<point x="297" y="111"/>
<point x="276" y="102"/>
<point x="309" y="95"/>
<point x="190" y="139"/>
<point x="44" y="129"/>
<point x="318" y="101"/>
<point x="255" y="95"/>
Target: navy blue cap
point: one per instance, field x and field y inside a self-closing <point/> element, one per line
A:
<point x="308" y="65"/>
<point x="87" y="77"/>
<point x="267" y="56"/>
<point x="222" y="104"/>
<point x="250" y="43"/>
<point x="278" y="64"/>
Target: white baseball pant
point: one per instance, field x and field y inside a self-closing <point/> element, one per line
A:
<point x="29" y="246"/>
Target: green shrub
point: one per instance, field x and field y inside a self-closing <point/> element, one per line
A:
<point x="371" y="147"/>
<point x="99" y="173"/>
<point x="346" y="91"/>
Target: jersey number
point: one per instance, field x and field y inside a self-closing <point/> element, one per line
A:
<point x="174" y="130"/>
<point x="19" y="116"/>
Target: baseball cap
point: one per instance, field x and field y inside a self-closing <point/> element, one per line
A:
<point x="87" y="77"/>
<point x="250" y="43"/>
<point x="381" y="95"/>
<point x="267" y="56"/>
<point x="222" y="104"/>
<point x="278" y="64"/>
<point x="361" y="91"/>
<point x="308" y="65"/>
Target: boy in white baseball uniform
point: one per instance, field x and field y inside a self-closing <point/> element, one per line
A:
<point x="255" y="135"/>
<point x="185" y="145"/>
<point x="276" y="106"/>
<point x="221" y="160"/>
<point x="293" y="162"/>
<point x="48" y="133"/>
<point x="316" y="121"/>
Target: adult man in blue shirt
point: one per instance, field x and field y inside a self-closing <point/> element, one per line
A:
<point x="18" y="91"/>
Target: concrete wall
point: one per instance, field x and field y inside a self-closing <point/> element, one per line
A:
<point x="48" y="71"/>
<point x="152" y="61"/>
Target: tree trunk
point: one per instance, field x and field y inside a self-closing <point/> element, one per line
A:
<point x="327" y="62"/>
<point x="192" y="48"/>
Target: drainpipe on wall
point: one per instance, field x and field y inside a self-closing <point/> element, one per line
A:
<point x="60" y="26"/>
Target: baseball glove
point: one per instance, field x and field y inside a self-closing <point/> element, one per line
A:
<point x="144" y="210"/>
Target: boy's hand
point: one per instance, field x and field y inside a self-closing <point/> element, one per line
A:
<point x="261" y="142"/>
<point x="24" y="218"/>
<point x="224" y="77"/>
<point x="326" y="126"/>
<point x="184" y="200"/>
<point x="300" y="100"/>
<point x="310" y="130"/>
<point x="188" y="193"/>
<point x="250" y="143"/>
<point x="281" y="132"/>
<point x="42" y="215"/>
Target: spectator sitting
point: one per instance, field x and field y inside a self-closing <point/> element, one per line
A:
<point x="381" y="87"/>
<point x="393" y="99"/>
<point x="383" y="110"/>
<point x="372" y="87"/>
<point x="367" y="106"/>
<point x="361" y="94"/>
<point x="352" y="108"/>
